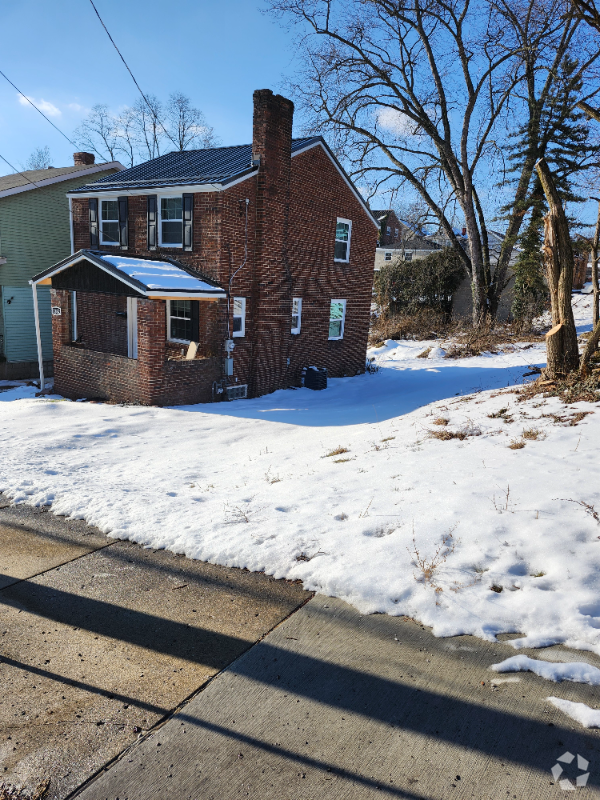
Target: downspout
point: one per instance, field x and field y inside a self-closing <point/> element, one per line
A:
<point x="71" y="225"/>
<point x="243" y="264"/>
<point x="38" y="337"/>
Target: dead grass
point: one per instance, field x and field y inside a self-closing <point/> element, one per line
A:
<point x="425" y="353"/>
<point x="463" y="433"/>
<point x="462" y="339"/>
<point x="533" y="434"/>
<point x="9" y="792"/>
<point x="337" y="452"/>
<point x="441" y="421"/>
<point x="501" y="414"/>
<point x="516" y="444"/>
<point x="571" y="389"/>
<point x="341" y="460"/>
<point x="428" y="565"/>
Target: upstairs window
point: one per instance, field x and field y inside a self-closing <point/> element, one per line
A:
<point x="342" y="240"/>
<point x="171" y="221"/>
<point x="408" y="256"/>
<point x="180" y="320"/>
<point x="388" y="231"/>
<point x="337" y="318"/>
<point x="296" y="314"/>
<point x="109" y="222"/>
<point x="388" y="256"/>
<point x="239" y="316"/>
<point x="396" y="232"/>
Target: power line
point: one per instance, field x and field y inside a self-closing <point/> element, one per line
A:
<point x="18" y="172"/>
<point x="152" y="111"/>
<point x="38" y="110"/>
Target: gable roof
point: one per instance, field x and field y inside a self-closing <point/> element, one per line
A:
<point x="149" y="277"/>
<point x="220" y="165"/>
<point x="38" y="178"/>
<point x="203" y="170"/>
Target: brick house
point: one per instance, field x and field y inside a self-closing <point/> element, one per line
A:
<point x="218" y="272"/>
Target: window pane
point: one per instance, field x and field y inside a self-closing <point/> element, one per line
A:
<point x="238" y="306"/>
<point x="110" y="232"/>
<point x="172" y="233"/>
<point x="181" y="308"/>
<point x="336" y="311"/>
<point x="171" y="208"/>
<point x="295" y="322"/>
<point x="341" y="249"/>
<point x="110" y="209"/>
<point x="181" y="329"/>
<point x="237" y="324"/>
<point x="335" y="328"/>
<point x="341" y="231"/>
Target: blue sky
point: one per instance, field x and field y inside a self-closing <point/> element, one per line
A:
<point x="57" y="53"/>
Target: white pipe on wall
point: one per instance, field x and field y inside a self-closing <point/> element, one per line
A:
<point x="38" y="337"/>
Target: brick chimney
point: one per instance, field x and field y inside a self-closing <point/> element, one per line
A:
<point x="83" y="159"/>
<point x="272" y="300"/>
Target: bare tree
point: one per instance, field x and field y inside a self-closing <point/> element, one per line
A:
<point x="39" y="159"/>
<point x="186" y="125"/>
<point x="99" y="133"/>
<point x="145" y="130"/>
<point x="416" y="93"/>
<point x="561" y="341"/>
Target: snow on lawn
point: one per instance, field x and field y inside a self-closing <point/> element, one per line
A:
<point x="347" y="490"/>
<point x="580" y="712"/>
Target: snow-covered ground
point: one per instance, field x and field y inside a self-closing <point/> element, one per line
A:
<point x="467" y="536"/>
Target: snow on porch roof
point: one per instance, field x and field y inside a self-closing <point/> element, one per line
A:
<point x="148" y="277"/>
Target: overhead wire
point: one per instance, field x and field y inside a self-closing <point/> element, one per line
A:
<point x="37" y="109"/>
<point x="18" y="171"/>
<point x="152" y="111"/>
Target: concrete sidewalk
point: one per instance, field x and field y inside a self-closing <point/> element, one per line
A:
<point x="100" y="640"/>
<point x="334" y="705"/>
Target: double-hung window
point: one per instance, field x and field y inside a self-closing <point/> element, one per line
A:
<point x="171" y="221"/>
<point x="388" y="256"/>
<point x="296" y="314"/>
<point x="109" y="222"/>
<point x="179" y="320"/>
<point x="408" y="256"/>
<point x="337" y="317"/>
<point x="239" y="316"/>
<point x="343" y="229"/>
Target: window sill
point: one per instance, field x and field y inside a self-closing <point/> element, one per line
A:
<point x="335" y="339"/>
<point x="171" y="246"/>
<point x="295" y="332"/>
<point x="341" y="260"/>
<point x="180" y="341"/>
<point x="238" y="335"/>
<point x="109" y="244"/>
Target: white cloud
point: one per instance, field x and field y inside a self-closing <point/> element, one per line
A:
<point x="44" y="105"/>
<point x="396" y="122"/>
<point x="77" y="107"/>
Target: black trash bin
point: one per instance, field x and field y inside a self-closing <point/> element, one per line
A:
<point x="315" y="378"/>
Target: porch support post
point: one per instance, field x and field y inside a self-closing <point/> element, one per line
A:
<point x="38" y="337"/>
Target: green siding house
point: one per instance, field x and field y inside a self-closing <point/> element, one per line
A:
<point x="34" y="232"/>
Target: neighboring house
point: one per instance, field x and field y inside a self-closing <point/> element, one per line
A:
<point x="399" y="240"/>
<point x="34" y="228"/>
<point x="266" y="248"/>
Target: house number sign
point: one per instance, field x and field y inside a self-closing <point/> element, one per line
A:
<point x="56" y="311"/>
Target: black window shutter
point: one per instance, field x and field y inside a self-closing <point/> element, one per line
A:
<point x="188" y="220"/>
<point x="123" y="223"/>
<point x="152" y="221"/>
<point x="93" y="206"/>
<point x="195" y="320"/>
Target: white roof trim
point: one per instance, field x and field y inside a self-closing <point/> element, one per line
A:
<point x="69" y="176"/>
<point x="195" y="188"/>
<point x="346" y="180"/>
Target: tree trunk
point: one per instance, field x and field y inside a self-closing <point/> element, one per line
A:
<point x="561" y="342"/>
<point x="596" y="289"/>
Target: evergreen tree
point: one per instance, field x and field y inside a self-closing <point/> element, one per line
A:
<point x="565" y="142"/>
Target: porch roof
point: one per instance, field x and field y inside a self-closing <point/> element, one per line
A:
<point x="165" y="279"/>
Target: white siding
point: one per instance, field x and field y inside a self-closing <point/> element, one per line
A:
<point x="19" y="323"/>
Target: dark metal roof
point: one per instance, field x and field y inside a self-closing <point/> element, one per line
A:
<point x="188" y="167"/>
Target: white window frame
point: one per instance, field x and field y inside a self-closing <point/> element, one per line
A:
<point x="132" y="328"/>
<point x="101" y="222"/>
<point x="341" y="336"/>
<point x="241" y="332"/>
<point x="347" y="222"/>
<point x="180" y="341"/>
<point x="388" y="256"/>
<point x="74" y="316"/>
<point x="297" y="300"/>
<point x="159" y="200"/>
